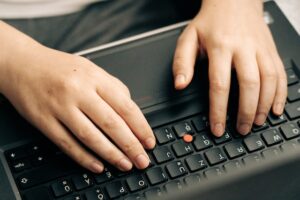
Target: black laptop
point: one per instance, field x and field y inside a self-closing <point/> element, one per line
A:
<point x="263" y="165"/>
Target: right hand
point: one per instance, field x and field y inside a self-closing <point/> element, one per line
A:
<point x="70" y="99"/>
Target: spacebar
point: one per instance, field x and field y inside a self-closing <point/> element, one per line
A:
<point x="52" y="170"/>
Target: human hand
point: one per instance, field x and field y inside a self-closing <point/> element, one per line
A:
<point x="233" y="34"/>
<point x="70" y="99"/>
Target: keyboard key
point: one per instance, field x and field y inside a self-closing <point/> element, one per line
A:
<point x="291" y="77"/>
<point x="47" y="172"/>
<point x="192" y="180"/>
<point x="202" y="142"/>
<point x="20" y="165"/>
<point x="115" y="189"/>
<point x="74" y="197"/>
<point x="224" y="138"/>
<point x="275" y="120"/>
<point x="253" y="143"/>
<point x="256" y="128"/>
<point x="195" y="162"/>
<point x="164" y="135"/>
<point x="173" y="186"/>
<point x="82" y="181"/>
<point x="270" y="153"/>
<point x="38" y="160"/>
<point x="294" y="92"/>
<point x="38" y="193"/>
<point x="16" y="154"/>
<point x="105" y="176"/>
<point x="95" y="194"/>
<point x="290" y="130"/>
<point x="288" y="64"/>
<point x="136" y="182"/>
<point x="162" y="154"/>
<point x="234" y="150"/>
<point x="176" y="169"/>
<point x="135" y="197"/>
<point x="183" y="128"/>
<point x="293" y="110"/>
<point x="272" y="137"/>
<point x="215" y="156"/>
<point x="290" y="146"/>
<point x="153" y="193"/>
<point x="200" y="122"/>
<point x="252" y="159"/>
<point x="151" y="163"/>
<point x="61" y="188"/>
<point x="156" y="175"/>
<point x="232" y="166"/>
<point x="35" y="148"/>
<point x="182" y="148"/>
<point x="213" y="172"/>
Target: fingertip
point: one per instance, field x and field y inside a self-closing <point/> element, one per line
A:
<point x="150" y="143"/>
<point x="142" y="161"/>
<point x="260" y="119"/>
<point x="125" y="165"/>
<point x="278" y="109"/>
<point x="218" y="129"/>
<point x="97" y="167"/>
<point x="244" y="128"/>
<point x="180" y="81"/>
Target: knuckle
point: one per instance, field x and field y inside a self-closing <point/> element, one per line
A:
<point x="246" y="115"/>
<point x="250" y="82"/>
<point x="132" y="147"/>
<point x="219" y="86"/>
<point x="128" y="108"/>
<point x="84" y="136"/>
<point x="270" y="75"/>
<point x="68" y="85"/>
<point x="219" y="41"/>
<point x="110" y="122"/>
<point x="65" y="145"/>
<point x="114" y="155"/>
<point x="178" y="63"/>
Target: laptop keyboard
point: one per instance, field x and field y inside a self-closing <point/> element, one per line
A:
<point x="186" y="154"/>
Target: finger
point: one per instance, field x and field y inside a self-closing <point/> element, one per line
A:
<point x="185" y="57"/>
<point x="249" y="87"/>
<point x="64" y="140"/>
<point x="281" y="90"/>
<point x="268" y="80"/>
<point x="130" y="113"/>
<point x="115" y="128"/>
<point x="219" y="85"/>
<point x="94" y="139"/>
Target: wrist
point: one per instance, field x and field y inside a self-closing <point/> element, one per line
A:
<point x="16" y="49"/>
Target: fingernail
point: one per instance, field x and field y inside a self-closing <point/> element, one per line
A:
<point x="260" y="118"/>
<point x="278" y="108"/>
<point x="141" y="161"/>
<point x="125" y="164"/>
<point x="97" y="168"/>
<point x="150" y="143"/>
<point x="180" y="80"/>
<point x="218" y="129"/>
<point x="244" y="129"/>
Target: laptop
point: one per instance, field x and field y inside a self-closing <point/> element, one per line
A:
<point x="263" y="165"/>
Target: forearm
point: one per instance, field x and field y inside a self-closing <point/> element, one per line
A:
<point x="15" y="50"/>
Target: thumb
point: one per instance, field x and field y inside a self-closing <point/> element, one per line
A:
<point x="185" y="57"/>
